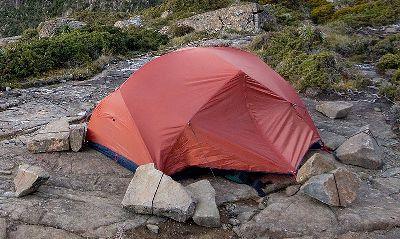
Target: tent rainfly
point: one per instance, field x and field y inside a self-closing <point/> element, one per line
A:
<point x="212" y="107"/>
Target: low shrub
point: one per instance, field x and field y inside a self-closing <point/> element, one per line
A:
<point x="319" y="70"/>
<point x="76" y="48"/>
<point x="389" y="61"/>
<point x="396" y="77"/>
<point x="322" y="13"/>
<point x="181" y="30"/>
<point x="369" y="13"/>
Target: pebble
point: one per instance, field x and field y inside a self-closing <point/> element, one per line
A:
<point x="153" y="228"/>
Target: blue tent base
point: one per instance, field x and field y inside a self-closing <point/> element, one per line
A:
<point x="121" y="160"/>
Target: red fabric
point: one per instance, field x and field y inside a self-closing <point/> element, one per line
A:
<point x="208" y="107"/>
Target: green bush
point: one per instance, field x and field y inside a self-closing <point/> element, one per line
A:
<point x="322" y="13"/>
<point x="277" y="45"/>
<point x="369" y="13"/>
<point x="181" y="30"/>
<point x="389" y="61"/>
<point x="319" y="70"/>
<point x="396" y="77"/>
<point x="390" y="44"/>
<point x="76" y="48"/>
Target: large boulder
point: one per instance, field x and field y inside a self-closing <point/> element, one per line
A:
<point x="323" y="188"/>
<point x="335" y="109"/>
<point x="248" y="17"/>
<point x="53" y="27"/>
<point x="52" y="138"/>
<point x="77" y="135"/>
<point x="153" y="192"/>
<point x="347" y="184"/>
<point x="360" y="150"/>
<point x="28" y="179"/>
<point x="337" y="188"/>
<point x="206" y="213"/>
<point x="132" y="22"/>
<point x="317" y="164"/>
<point x="289" y="217"/>
<point x="40" y="232"/>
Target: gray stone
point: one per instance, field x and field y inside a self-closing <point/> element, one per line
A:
<point x="153" y="228"/>
<point x="77" y="135"/>
<point x="332" y="140"/>
<point x="234" y="221"/>
<point x="152" y="192"/>
<point x="40" y="232"/>
<point x="335" y="109"/>
<point x="360" y="150"/>
<point x="9" y="40"/>
<point x="228" y="191"/>
<point x="5" y="172"/>
<point x="347" y="184"/>
<point x="248" y="17"/>
<point x="3" y="228"/>
<point x="323" y="188"/>
<point x="28" y="179"/>
<point x="134" y="21"/>
<point x="52" y="138"/>
<point x="53" y="27"/>
<point x="317" y="164"/>
<point x="206" y="213"/>
<point x="292" y="190"/>
<point x="287" y="217"/>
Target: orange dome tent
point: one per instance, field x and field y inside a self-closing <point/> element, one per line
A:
<point x="207" y="107"/>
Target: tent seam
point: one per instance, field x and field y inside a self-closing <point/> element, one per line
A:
<point x="256" y="124"/>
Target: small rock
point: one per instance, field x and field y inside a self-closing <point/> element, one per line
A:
<point x="77" y="135"/>
<point x="155" y="220"/>
<point x="315" y="165"/>
<point x="226" y="226"/>
<point x="135" y="22"/>
<point x="323" y="188"/>
<point x="376" y="109"/>
<point x="6" y="172"/>
<point x="52" y="138"/>
<point x="360" y="150"/>
<point x="9" y="194"/>
<point x="206" y="213"/>
<point x="292" y="190"/>
<point x="334" y="109"/>
<point x="8" y="88"/>
<point x="262" y="203"/>
<point x="152" y="192"/>
<point x="28" y="179"/>
<point x="234" y="221"/>
<point x="3" y="228"/>
<point x="153" y="228"/>
<point x="347" y="184"/>
<point x="276" y="182"/>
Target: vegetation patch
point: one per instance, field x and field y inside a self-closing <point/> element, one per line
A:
<point x="300" y="56"/>
<point x="73" y="49"/>
<point x="369" y="13"/>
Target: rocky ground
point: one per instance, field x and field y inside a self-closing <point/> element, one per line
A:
<point x="83" y="196"/>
